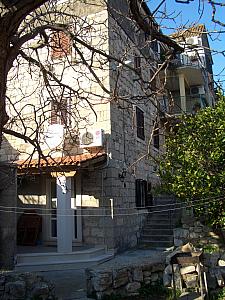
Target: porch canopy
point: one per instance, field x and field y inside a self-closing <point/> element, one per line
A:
<point x="59" y="164"/>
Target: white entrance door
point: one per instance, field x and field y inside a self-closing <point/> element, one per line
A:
<point x="51" y="217"/>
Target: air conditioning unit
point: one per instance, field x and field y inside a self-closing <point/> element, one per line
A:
<point x="197" y="90"/>
<point x="91" y="138"/>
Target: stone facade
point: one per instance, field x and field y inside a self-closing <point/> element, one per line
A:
<point x="109" y="215"/>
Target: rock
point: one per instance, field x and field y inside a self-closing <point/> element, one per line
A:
<point x="16" y="289"/>
<point x="190" y="280"/>
<point x="219" y="277"/>
<point x="137" y="274"/>
<point x="214" y="259"/>
<point x="158" y="267"/>
<point x="40" y="290"/>
<point x="186" y="270"/>
<point x="132" y="288"/>
<point x="120" y="277"/>
<point x="211" y="280"/>
<point x="154" y="277"/>
<point x="101" y="281"/>
<point x="147" y="274"/>
<point x="178" y="242"/>
<point x="221" y="263"/>
<point x="180" y="233"/>
<point x="167" y="276"/>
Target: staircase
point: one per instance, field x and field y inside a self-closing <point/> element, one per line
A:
<point x="157" y="232"/>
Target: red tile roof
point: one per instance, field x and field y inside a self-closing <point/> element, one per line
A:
<point x="60" y="162"/>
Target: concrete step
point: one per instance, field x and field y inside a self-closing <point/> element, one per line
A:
<point x="62" y="264"/>
<point x="49" y="257"/>
<point x="150" y="237"/>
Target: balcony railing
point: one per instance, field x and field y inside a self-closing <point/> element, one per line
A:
<point x="185" y="60"/>
<point x="184" y="105"/>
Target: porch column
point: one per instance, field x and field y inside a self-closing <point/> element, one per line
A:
<point x="183" y="103"/>
<point x="64" y="214"/>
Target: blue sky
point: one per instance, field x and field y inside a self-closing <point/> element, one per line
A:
<point x="197" y="11"/>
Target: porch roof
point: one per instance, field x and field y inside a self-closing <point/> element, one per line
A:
<point x="63" y="163"/>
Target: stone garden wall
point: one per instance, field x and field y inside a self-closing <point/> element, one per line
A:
<point x="192" y="231"/>
<point x="123" y="280"/>
<point x="24" y="286"/>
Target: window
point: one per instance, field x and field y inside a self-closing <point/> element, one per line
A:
<point x="140" y="122"/>
<point x="137" y="64"/>
<point x="61" y="45"/>
<point x="60" y="111"/>
<point x="153" y="82"/>
<point x="156" y="136"/>
<point x="141" y="193"/>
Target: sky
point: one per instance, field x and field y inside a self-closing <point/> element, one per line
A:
<point x="197" y="11"/>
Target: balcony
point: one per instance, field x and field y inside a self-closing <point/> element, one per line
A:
<point x="184" y="105"/>
<point x="190" y="67"/>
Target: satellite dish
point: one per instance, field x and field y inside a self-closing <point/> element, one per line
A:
<point x="54" y="135"/>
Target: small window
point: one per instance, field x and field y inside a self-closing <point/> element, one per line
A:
<point x="137" y="64"/>
<point x="60" y="111"/>
<point x="156" y="136"/>
<point x="153" y="82"/>
<point x="61" y="45"/>
<point x="140" y="122"/>
<point x="141" y="193"/>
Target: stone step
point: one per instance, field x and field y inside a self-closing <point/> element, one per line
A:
<point x="158" y="226"/>
<point x="160" y="221"/>
<point x="155" y="244"/>
<point x="62" y="264"/>
<point x="150" y="237"/>
<point x="49" y="257"/>
<point x="157" y="231"/>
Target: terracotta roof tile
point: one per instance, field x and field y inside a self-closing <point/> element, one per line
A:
<point x="197" y="30"/>
<point x="75" y="160"/>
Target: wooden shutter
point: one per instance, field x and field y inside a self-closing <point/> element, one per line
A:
<point x="138" y="192"/>
<point x="140" y="122"/>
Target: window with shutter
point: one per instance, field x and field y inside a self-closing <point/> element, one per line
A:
<point x="60" y="45"/>
<point x="140" y="123"/>
<point x="141" y="193"/>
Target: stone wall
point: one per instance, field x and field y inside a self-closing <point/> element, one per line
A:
<point x="8" y="197"/>
<point x="24" y="286"/>
<point x="122" y="280"/>
<point x="193" y="231"/>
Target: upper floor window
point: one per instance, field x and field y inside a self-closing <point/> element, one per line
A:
<point x="137" y="64"/>
<point x="140" y="122"/>
<point x="156" y="136"/>
<point x="60" y="45"/>
<point x="60" y="111"/>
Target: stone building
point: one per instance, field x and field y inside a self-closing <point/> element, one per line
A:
<point x="190" y="76"/>
<point x="91" y="185"/>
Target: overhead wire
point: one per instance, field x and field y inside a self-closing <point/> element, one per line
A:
<point x="138" y="212"/>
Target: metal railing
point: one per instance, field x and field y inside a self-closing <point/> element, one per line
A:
<point x="192" y="104"/>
